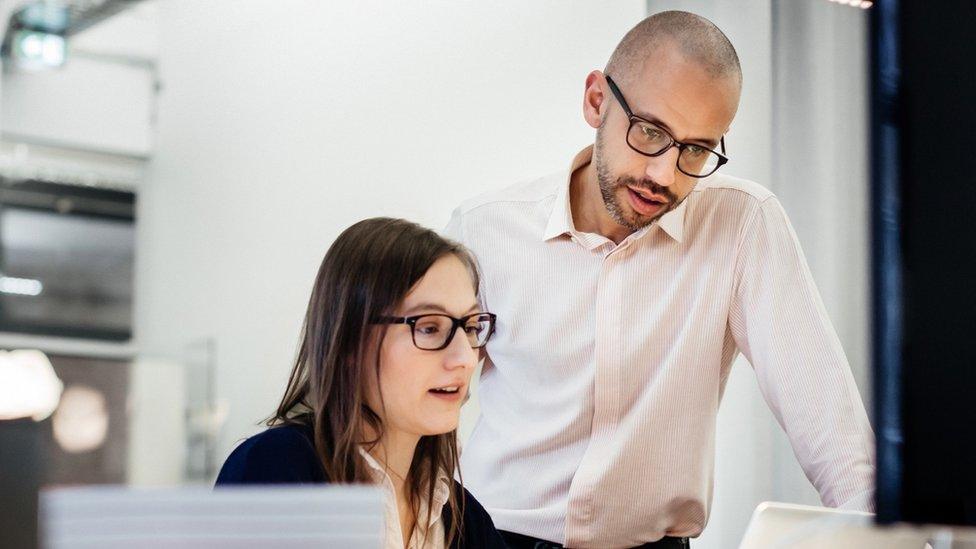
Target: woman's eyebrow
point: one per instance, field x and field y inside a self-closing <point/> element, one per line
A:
<point x="436" y="307"/>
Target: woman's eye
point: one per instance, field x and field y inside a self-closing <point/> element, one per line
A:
<point x="428" y="329"/>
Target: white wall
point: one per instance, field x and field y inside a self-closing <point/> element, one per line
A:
<point x="88" y="104"/>
<point x="280" y="124"/>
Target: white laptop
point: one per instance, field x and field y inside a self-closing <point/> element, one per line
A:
<point x="783" y="525"/>
<point x="192" y="518"/>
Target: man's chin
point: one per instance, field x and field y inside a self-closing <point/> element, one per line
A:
<point x="641" y="222"/>
<point x="645" y="220"/>
<point x="636" y="221"/>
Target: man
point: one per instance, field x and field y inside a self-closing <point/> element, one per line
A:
<point x="624" y="288"/>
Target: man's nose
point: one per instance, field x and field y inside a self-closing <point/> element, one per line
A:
<point x="661" y="169"/>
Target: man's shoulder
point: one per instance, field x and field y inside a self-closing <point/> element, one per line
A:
<point x="721" y="185"/>
<point x="725" y="203"/>
<point x="526" y="192"/>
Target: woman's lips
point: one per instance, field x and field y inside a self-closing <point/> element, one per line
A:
<point x="450" y="397"/>
<point x="450" y="393"/>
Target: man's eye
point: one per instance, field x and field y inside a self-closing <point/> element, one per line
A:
<point x="695" y="151"/>
<point x="652" y="134"/>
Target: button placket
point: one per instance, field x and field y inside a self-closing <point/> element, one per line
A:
<point x="605" y="388"/>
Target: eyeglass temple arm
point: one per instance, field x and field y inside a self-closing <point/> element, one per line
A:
<point x="394" y="319"/>
<point x="616" y="93"/>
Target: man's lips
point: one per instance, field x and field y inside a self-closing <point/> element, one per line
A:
<point x="649" y="196"/>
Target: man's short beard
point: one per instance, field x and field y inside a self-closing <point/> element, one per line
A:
<point x="610" y="185"/>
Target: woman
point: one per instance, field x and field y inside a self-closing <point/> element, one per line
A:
<point x="391" y="337"/>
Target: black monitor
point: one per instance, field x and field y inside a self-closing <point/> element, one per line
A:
<point x="21" y="473"/>
<point x="924" y="259"/>
<point x="66" y="260"/>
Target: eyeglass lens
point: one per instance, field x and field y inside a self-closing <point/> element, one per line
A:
<point x="432" y="332"/>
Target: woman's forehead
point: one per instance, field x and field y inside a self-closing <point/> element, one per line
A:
<point x="447" y="285"/>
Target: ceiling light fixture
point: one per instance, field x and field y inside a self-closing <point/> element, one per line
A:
<point x="20" y="286"/>
<point x="35" y="38"/>
<point x="863" y="4"/>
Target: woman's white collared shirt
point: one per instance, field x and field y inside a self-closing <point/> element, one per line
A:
<point x="434" y="529"/>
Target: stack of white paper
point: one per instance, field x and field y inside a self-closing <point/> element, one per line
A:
<point x="116" y="517"/>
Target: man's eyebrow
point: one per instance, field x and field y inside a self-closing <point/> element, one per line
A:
<point x="706" y="141"/>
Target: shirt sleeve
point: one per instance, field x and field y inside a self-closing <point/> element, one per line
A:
<point x="453" y="228"/>
<point x="780" y="324"/>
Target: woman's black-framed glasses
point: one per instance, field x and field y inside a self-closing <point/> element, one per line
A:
<point x="649" y="139"/>
<point x="433" y="332"/>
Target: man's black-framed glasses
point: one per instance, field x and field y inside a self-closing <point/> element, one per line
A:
<point x="649" y="139"/>
<point x="433" y="332"/>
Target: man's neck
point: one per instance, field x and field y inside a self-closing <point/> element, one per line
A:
<point x="586" y="204"/>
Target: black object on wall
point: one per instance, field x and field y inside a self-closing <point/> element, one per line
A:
<point x="75" y="249"/>
<point x="21" y="470"/>
<point x="924" y="259"/>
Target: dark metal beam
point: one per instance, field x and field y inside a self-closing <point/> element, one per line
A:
<point x="85" y="14"/>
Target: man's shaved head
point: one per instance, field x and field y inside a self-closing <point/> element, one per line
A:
<point x="696" y="38"/>
<point x="677" y="75"/>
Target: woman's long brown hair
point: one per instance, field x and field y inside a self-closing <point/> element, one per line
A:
<point x="366" y="274"/>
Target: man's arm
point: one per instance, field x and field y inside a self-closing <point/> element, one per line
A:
<point x="779" y="323"/>
<point x="453" y="228"/>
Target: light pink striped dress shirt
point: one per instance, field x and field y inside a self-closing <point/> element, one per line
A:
<point x="602" y="384"/>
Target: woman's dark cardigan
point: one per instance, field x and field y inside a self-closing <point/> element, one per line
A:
<point x="286" y="455"/>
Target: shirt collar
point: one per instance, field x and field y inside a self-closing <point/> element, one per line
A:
<point x="673" y="222"/>
<point x="561" y="217"/>
<point x="442" y="488"/>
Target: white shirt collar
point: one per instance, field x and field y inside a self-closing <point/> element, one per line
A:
<point x="561" y="217"/>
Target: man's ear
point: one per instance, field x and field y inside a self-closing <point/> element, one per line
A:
<point x="595" y="99"/>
